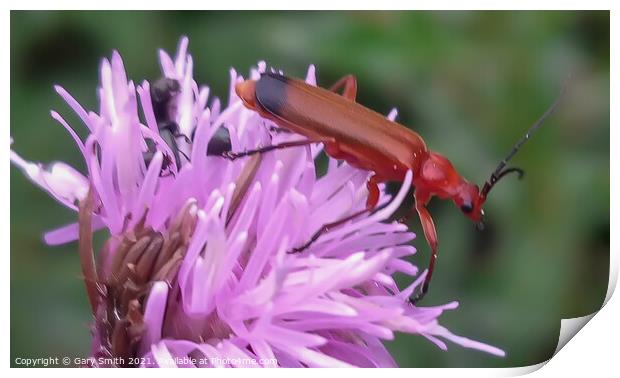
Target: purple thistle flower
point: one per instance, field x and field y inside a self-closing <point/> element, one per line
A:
<point x="196" y="270"/>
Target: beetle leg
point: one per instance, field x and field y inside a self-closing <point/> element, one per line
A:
<point x="236" y="155"/>
<point x="373" y="191"/>
<point x="279" y="130"/>
<point x="431" y="237"/>
<point x="185" y="137"/>
<point x="325" y="228"/>
<point x="182" y="153"/>
<point x="173" y="128"/>
<point x="349" y="83"/>
<point x="371" y="204"/>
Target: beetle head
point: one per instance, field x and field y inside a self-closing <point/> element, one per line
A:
<point x="469" y="198"/>
<point x="469" y="201"/>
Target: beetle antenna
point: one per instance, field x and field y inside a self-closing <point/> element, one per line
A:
<point x="501" y="169"/>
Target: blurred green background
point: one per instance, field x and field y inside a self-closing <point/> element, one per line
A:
<point x="469" y="82"/>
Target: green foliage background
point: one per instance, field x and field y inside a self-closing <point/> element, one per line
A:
<point x="469" y="82"/>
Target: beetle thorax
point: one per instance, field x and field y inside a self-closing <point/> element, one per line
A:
<point x="438" y="176"/>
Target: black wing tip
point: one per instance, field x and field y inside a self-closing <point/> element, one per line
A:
<point x="271" y="92"/>
<point x="275" y="75"/>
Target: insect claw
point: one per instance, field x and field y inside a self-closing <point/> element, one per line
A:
<point x="415" y="299"/>
<point x="230" y="155"/>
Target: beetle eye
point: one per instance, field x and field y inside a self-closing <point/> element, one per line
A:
<point x="467" y="208"/>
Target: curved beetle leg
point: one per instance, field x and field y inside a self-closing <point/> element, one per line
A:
<point x="349" y="83"/>
<point x="371" y="204"/>
<point x="325" y="228"/>
<point x="431" y="237"/>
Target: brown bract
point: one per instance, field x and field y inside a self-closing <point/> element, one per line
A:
<point x="118" y="284"/>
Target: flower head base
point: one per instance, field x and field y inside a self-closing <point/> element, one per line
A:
<point x="197" y="270"/>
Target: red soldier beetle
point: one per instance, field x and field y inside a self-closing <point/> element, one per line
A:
<point x="369" y="141"/>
